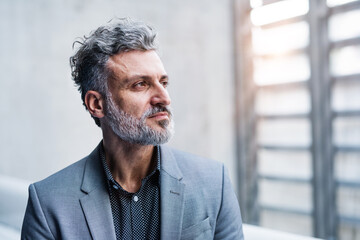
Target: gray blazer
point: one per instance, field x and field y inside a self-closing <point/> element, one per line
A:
<point x="197" y="201"/>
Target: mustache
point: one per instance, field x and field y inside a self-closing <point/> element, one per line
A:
<point x="157" y="109"/>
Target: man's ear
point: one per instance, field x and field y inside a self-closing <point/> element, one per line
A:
<point x="95" y="103"/>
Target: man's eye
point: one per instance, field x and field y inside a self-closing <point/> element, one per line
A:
<point x="140" y="85"/>
<point x="165" y="83"/>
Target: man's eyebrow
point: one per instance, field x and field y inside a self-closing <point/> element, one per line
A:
<point x="133" y="78"/>
<point x="165" y="76"/>
<point x="143" y="77"/>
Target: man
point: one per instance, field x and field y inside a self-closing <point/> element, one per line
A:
<point x="131" y="186"/>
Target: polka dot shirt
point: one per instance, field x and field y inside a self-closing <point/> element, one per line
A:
<point x="136" y="215"/>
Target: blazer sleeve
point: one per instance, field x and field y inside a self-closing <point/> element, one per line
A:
<point x="228" y="223"/>
<point x="35" y="225"/>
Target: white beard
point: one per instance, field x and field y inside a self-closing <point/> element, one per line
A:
<point x="133" y="130"/>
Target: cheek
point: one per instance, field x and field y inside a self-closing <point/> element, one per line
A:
<point x="135" y="104"/>
<point x="136" y="109"/>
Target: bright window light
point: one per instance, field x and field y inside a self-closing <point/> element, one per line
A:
<point x="345" y="61"/>
<point x="345" y="96"/>
<point x="279" y="11"/>
<point x="276" y="70"/>
<point x="341" y="26"/>
<point x="278" y="40"/>
<point x="283" y="100"/>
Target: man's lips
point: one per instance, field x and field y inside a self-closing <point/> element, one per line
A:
<point x="160" y="115"/>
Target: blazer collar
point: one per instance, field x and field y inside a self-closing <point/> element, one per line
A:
<point x="172" y="196"/>
<point x="169" y="163"/>
<point x="96" y="203"/>
<point x="94" y="176"/>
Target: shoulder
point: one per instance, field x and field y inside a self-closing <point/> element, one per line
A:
<point x="186" y="159"/>
<point x="195" y="168"/>
<point x="54" y="202"/>
<point x="191" y="161"/>
<point x="70" y="172"/>
<point x="62" y="182"/>
<point x="71" y="176"/>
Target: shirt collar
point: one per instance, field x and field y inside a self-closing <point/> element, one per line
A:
<point x="108" y="174"/>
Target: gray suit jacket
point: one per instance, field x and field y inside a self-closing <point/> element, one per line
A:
<point x="197" y="201"/>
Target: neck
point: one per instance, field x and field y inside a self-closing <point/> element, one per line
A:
<point x="129" y="163"/>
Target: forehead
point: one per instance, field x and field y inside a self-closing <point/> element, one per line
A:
<point x="127" y="64"/>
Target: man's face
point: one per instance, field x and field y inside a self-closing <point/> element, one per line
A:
<point x="137" y="105"/>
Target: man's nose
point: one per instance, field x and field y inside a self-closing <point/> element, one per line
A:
<point x="160" y="96"/>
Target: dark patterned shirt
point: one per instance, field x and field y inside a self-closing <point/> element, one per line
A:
<point x="136" y="215"/>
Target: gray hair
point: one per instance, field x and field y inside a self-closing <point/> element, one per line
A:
<point x="88" y="65"/>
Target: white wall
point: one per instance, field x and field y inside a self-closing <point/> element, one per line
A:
<point x="44" y="126"/>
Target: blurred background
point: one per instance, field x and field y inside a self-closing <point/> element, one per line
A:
<point x="269" y="87"/>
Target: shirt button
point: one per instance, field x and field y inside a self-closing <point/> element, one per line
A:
<point x="136" y="198"/>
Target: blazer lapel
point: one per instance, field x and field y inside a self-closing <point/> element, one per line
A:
<point x="96" y="203"/>
<point x="172" y="196"/>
